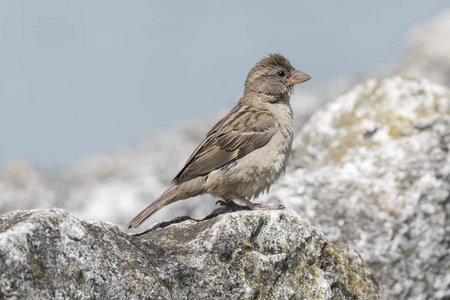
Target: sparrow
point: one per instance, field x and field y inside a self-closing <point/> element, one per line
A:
<point x="247" y="150"/>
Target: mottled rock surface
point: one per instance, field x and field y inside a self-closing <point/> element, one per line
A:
<point x="372" y="169"/>
<point x="247" y="255"/>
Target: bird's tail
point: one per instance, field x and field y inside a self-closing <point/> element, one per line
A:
<point x="172" y="194"/>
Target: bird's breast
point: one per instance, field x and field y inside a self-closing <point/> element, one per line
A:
<point x="265" y="165"/>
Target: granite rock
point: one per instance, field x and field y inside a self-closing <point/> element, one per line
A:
<point x="238" y="255"/>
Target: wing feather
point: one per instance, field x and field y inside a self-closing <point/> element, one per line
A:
<point x="239" y="133"/>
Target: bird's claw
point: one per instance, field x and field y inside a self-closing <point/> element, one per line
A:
<point x="227" y="203"/>
<point x="221" y="202"/>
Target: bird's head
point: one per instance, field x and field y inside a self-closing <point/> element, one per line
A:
<point x="274" y="76"/>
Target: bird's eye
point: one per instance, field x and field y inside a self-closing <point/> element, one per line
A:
<point x="281" y="74"/>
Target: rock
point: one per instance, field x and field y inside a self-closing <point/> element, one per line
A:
<point x="372" y="169"/>
<point x="247" y="255"/>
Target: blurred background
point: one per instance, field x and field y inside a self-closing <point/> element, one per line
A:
<point x="102" y="102"/>
<point x="85" y="77"/>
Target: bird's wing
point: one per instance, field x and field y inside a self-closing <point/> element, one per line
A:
<point x="240" y="132"/>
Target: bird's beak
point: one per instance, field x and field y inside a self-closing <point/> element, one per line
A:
<point x="296" y="77"/>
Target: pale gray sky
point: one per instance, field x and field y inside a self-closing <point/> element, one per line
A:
<point x="83" y="77"/>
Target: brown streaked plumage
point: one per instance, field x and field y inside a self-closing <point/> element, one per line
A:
<point x="247" y="150"/>
<point x="243" y="130"/>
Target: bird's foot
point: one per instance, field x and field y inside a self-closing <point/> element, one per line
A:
<point x="229" y="203"/>
<point x="257" y="206"/>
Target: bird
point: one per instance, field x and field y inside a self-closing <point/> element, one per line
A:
<point x="247" y="150"/>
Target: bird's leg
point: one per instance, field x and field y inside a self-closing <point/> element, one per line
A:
<point x="228" y="202"/>
<point x="256" y="206"/>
